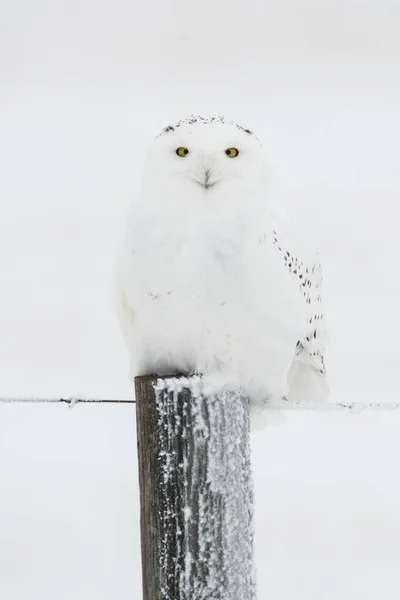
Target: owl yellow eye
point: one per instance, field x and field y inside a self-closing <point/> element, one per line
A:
<point x="232" y="152"/>
<point x="182" y="152"/>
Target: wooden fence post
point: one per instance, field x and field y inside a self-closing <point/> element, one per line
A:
<point x="196" y="492"/>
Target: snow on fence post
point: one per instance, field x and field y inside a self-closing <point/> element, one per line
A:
<point x="196" y="491"/>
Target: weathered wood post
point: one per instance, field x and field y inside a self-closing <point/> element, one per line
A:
<point x="196" y="492"/>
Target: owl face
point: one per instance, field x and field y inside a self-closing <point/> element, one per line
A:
<point x="206" y="157"/>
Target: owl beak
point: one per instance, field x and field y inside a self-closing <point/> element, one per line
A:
<point x="207" y="174"/>
<point x="205" y="182"/>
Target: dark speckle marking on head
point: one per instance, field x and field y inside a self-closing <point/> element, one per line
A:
<point x="200" y="119"/>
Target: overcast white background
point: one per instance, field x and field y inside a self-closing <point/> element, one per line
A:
<point x="84" y="87"/>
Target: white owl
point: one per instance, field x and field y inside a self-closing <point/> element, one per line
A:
<point x="207" y="283"/>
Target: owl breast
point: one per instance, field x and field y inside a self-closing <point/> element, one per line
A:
<point x="200" y="305"/>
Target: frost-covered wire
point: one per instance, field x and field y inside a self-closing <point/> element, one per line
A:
<point x="279" y="405"/>
<point x="324" y="407"/>
<point x="69" y="400"/>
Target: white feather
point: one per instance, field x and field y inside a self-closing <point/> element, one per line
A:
<point x="203" y="283"/>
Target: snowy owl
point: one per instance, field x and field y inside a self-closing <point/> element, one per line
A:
<point x="208" y="282"/>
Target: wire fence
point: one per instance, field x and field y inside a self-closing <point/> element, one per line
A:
<point x="280" y="405"/>
<point x="71" y="401"/>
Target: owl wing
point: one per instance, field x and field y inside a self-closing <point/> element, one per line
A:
<point x="124" y="312"/>
<point x="311" y="348"/>
<point x="122" y="307"/>
<point x="305" y="267"/>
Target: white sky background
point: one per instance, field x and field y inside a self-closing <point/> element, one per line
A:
<point x="84" y="87"/>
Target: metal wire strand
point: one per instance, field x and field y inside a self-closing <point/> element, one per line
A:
<point x="280" y="405"/>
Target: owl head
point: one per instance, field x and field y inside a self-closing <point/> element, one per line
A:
<point x="204" y="156"/>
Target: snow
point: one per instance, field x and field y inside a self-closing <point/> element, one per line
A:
<point x="83" y="90"/>
<point x="211" y="557"/>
